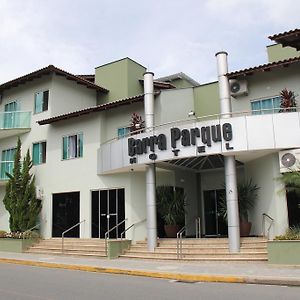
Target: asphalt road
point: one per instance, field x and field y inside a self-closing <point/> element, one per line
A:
<point x="26" y="282"/>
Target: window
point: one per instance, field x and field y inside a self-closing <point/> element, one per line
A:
<point x="73" y="146"/>
<point x="11" y="116"/>
<point x="41" y="101"/>
<point x="39" y="153"/>
<point x="7" y="162"/>
<point x="266" y="106"/>
<point x="123" y="131"/>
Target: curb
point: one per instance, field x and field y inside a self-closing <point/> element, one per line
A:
<point x="162" y="275"/>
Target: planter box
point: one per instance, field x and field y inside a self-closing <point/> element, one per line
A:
<point x="284" y="252"/>
<point x="116" y="247"/>
<point x="15" y="245"/>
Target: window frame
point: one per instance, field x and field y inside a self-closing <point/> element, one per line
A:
<point x="41" y="160"/>
<point x="262" y="111"/>
<point x="125" y="128"/>
<point x="43" y="101"/>
<point x="79" y="146"/>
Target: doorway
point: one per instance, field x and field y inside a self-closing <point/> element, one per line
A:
<point x="293" y="204"/>
<point x="215" y="225"/>
<point x="108" y="209"/>
<point x="65" y="214"/>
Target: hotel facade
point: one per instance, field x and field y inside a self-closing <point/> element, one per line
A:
<point x="93" y="168"/>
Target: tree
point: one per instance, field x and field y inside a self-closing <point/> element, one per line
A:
<point x="20" y="197"/>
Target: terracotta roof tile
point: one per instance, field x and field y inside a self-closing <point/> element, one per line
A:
<point x="262" y="68"/>
<point x="48" y="70"/>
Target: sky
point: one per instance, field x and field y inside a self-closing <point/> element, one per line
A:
<point x="165" y="36"/>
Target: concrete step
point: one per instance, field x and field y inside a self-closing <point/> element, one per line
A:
<point x="213" y="258"/>
<point x="75" y="253"/>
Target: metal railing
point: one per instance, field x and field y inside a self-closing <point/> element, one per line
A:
<point x="106" y="236"/>
<point x="63" y="234"/>
<point x="15" y="119"/>
<point x="132" y="225"/>
<point x="244" y="113"/>
<point x="34" y="227"/>
<point x="6" y="167"/>
<point x="182" y="231"/>
<point x="271" y="221"/>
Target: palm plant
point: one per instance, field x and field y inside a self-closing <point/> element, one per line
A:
<point x="171" y="204"/>
<point x="291" y="181"/>
<point x="247" y="196"/>
<point x="288" y="101"/>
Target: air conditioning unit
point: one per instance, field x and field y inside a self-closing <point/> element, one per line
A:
<point x="238" y="87"/>
<point x="289" y="160"/>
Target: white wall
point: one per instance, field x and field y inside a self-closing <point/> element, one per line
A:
<point x="272" y="201"/>
<point x="268" y="84"/>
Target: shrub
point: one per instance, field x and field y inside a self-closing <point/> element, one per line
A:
<point x="293" y="233"/>
<point x="2" y="233"/>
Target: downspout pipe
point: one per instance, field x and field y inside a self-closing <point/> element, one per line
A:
<point x="229" y="161"/>
<point x="150" y="168"/>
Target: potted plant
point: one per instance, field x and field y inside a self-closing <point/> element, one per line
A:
<point x="247" y="196"/>
<point x="171" y="207"/>
<point x="287" y="101"/>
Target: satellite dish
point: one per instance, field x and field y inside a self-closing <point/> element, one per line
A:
<point x="288" y="160"/>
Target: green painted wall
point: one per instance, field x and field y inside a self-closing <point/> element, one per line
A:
<point x="206" y="99"/>
<point x="284" y="252"/>
<point x="277" y="52"/>
<point x="121" y="78"/>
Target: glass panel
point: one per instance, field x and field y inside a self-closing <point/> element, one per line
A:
<point x="7" y="163"/>
<point x="267" y="106"/>
<point x="72" y="146"/>
<point x="276" y="104"/>
<point x="256" y="107"/>
<point x="65" y="147"/>
<point x="36" y="154"/>
<point x="38" y="103"/>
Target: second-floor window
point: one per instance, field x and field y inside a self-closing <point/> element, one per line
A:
<point x="266" y="106"/>
<point x="41" y="101"/>
<point x="73" y="146"/>
<point x="39" y="153"/>
<point x="123" y="132"/>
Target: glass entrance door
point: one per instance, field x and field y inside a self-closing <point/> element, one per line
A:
<point x="214" y="223"/>
<point x="108" y="209"/>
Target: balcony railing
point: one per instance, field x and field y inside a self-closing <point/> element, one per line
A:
<point x="6" y="167"/>
<point x="15" y="119"/>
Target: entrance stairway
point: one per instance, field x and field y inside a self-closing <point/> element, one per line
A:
<point x="204" y="249"/>
<point x="72" y="246"/>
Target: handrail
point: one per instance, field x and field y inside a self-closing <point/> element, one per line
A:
<point x="179" y="241"/>
<point x="106" y="236"/>
<point x="180" y="233"/>
<point x="35" y="226"/>
<point x="200" y="118"/>
<point x="264" y="216"/>
<point x="198" y="227"/>
<point x="129" y="227"/>
<point x="63" y="234"/>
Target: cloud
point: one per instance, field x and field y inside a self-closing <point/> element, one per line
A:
<point x="166" y="36"/>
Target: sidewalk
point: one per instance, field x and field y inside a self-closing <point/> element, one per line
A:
<point x="238" y="272"/>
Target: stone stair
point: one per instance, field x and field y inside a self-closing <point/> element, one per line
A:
<point x="204" y="249"/>
<point x="72" y="246"/>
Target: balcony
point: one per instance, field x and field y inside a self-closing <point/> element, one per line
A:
<point x="5" y="167"/>
<point x="14" y="123"/>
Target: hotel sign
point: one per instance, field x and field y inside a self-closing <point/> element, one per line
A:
<point x="201" y="138"/>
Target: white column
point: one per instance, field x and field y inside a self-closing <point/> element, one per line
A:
<point x="229" y="161"/>
<point x="150" y="169"/>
